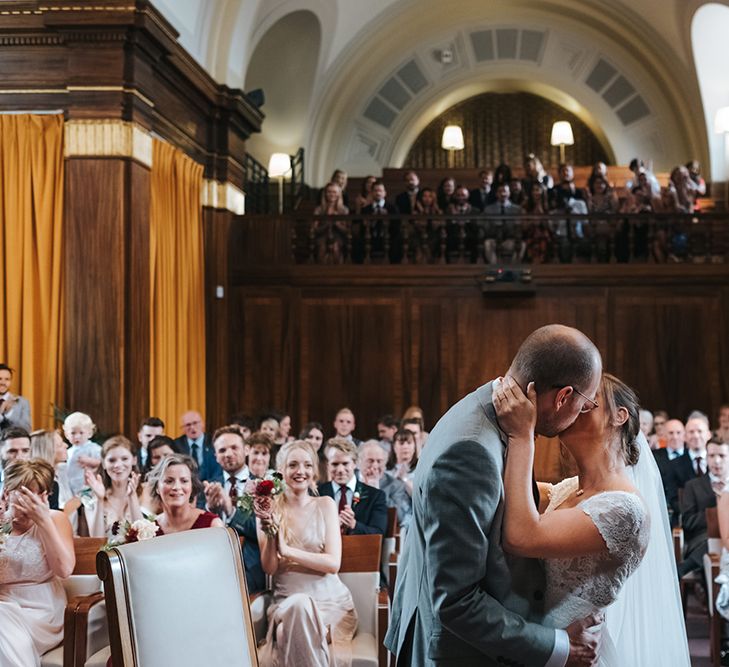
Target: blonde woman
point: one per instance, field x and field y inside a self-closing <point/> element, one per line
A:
<point x="36" y="555"/>
<point x="312" y="618"/>
<point x="330" y="236"/>
<point x="49" y="446"/>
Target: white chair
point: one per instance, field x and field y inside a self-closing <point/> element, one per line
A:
<point x="180" y="600"/>
<point x="86" y="635"/>
<point x="360" y="572"/>
<point x="711" y="571"/>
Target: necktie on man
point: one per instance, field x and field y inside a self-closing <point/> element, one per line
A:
<point x="698" y="466"/>
<point x="342" y="501"/>
<point x="195" y="451"/>
<point x="233" y="493"/>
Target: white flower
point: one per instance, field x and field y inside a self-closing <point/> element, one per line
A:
<point x="146" y="530"/>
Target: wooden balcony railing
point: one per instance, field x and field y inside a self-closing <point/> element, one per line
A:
<point x="477" y="239"/>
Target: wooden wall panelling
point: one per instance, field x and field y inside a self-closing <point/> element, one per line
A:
<point x="351" y="355"/>
<point x="669" y="347"/>
<point x="94" y="330"/>
<point x="137" y="297"/>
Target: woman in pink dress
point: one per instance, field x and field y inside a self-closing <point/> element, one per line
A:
<point x="312" y="619"/>
<point x="35" y="555"/>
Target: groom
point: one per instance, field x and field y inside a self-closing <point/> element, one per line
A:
<point x="460" y="600"/>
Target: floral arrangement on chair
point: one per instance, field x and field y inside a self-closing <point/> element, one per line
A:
<point x="126" y="532"/>
<point x="259" y="495"/>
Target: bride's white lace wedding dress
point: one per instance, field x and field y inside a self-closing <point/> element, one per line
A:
<point x="579" y="586"/>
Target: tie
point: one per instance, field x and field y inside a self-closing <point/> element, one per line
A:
<point x="233" y="489"/>
<point x="503" y="209"/>
<point x="194" y="449"/>
<point x="343" y="501"/>
<point x="699" y="470"/>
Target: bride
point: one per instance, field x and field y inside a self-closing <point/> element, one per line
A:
<point x="598" y="527"/>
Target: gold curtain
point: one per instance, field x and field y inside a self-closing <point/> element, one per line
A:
<point x="177" y="308"/>
<point x="31" y="233"/>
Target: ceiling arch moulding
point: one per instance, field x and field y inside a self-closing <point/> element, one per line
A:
<point x="341" y="100"/>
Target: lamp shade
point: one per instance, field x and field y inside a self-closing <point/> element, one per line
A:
<point x="562" y="134"/>
<point x="721" y="121"/>
<point x="279" y="165"/>
<point x="452" y="138"/>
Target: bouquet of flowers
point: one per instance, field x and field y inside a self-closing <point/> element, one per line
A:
<point x="258" y="496"/>
<point x="125" y="532"/>
<point x="5" y="528"/>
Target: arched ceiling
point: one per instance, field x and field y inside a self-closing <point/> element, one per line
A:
<point x="645" y="46"/>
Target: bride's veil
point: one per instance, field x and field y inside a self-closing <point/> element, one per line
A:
<point x="646" y="622"/>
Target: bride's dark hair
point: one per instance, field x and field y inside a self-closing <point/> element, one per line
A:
<point x="616" y="395"/>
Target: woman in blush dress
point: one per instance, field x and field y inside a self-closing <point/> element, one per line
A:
<point x="175" y="485"/>
<point x="312" y="618"/>
<point x="34" y="556"/>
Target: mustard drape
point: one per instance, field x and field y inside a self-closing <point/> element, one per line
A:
<point x="31" y="233"/>
<point x="177" y="294"/>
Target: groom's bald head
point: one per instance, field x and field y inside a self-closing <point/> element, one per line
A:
<point x="557" y="356"/>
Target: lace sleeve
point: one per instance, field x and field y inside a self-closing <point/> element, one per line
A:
<point x="622" y="521"/>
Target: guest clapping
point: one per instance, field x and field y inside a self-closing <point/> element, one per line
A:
<point x="403" y="458"/>
<point x="372" y="458"/>
<point x="175" y="484"/>
<point x="116" y="489"/>
<point x="37" y="553"/>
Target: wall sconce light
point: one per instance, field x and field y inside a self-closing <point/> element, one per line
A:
<point x="452" y="141"/>
<point x="562" y="136"/>
<point x="279" y="166"/>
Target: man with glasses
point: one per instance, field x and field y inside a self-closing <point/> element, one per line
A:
<point x="457" y="594"/>
<point x="196" y="443"/>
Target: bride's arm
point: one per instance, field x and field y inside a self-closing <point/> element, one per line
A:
<point x="562" y="534"/>
<point x="329" y="560"/>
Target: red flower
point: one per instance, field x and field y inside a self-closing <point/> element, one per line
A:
<point x="264" y="488"/>
<point x="132" y="535"/>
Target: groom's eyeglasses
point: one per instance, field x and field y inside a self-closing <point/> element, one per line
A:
<point x="590" y="404"/>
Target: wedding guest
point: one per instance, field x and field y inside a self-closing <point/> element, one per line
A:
<point x="646" y="422"/>
<point x="692" y="463"/>
<point x="245" y="423"/>
<point x="313" y="433"/>
<point x="222" y="495"/>
<point x="161" y="447"/>
<point x="699" y="494"/>
<point x="84" y="454"/>
<point x="38" y="553"/>
<point x="269" y="427"/>
<point x="387" y="426"/>
<point x="657" y="440"/>
<point x="365" y="196"/>
<point x="340" y="178"/>
<point x="537" y="233"/>
<point x="362" y="509"/>
<point x="175" y="485"/>
<point x="535" y="173"/>
<point x="502" y="236"/>
<point x="284" y="430"/>
<point x="116" y="489"/>
<point x="260" y="447"/>
<point x="484" y="194"/>
<point x="722" y="433"/>
<point x="403" y="458"/>
<point x="14" y="446"/>
<point x="344" y="425"/>
<point x="149" y="429"/>
<point x="675" y="436"/>
<point x="195" y="442"/>
<point x="383" y="228"/>
<point x="415" y="426"/>
<point x="14" y="409"/>
<point x="416" y="412"/>
<point x="49" y="446"/>
<point x="445" y="192"/>
<point x="372" y="460"/>
<point x="407" y="201"/>
<point x="330" y="236"/>
<point x="312" y="617"/>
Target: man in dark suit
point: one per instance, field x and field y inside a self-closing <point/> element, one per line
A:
<point x="406" y="201"/>
<point x="362" y="508"/>
<point x="344" y="425"/>
<point x="379" y="219"/>
<point x="699" y="494"/>
<point x="222" y="493"/>
<point x="483" y="195"/>
<point x="693" y="462"/>
<point x="675" y="443"/>
<point x="149" y="429"/>
<point x="198" y="444"/>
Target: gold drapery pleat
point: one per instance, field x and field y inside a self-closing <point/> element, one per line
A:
<point x="177" y="308"/>
<point x="31" y="234"/>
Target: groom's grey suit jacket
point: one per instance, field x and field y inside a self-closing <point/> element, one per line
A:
<point x="460" y="600"/>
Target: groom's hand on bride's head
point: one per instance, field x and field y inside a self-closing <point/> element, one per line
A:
<point x="585" y="636"/>
<point x="515" y="410"/>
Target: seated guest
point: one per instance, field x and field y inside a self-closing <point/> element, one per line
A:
<point x="372" y="460"/>
<point x="415" y="425"/>
<point x="599" y="170"/>
<point x="364" y="198"/>
<point x="245" y="423"/>
<point x="149" y="429"/>
<point x="175" y="486"/>
<point x="379" y="205"/>
<point x="537" y="233"/>
<point x="502" y="238"/>
<point x="445" y="192"/>
<point x="83" y="454"/>
<point x="222" y="495"/>
<point x="484" y="194"/>
<point x="403" y="458"/>
<point x="657" y="439"/>
<point x="260" y="448"/>
<point x="461" y="232"/>
<point x="312" y="615"/>
<point x="362" y="509"/>
<point x="38" y="553"/>
<point x="340" y="178"/>
<point x="117" y="488"/>
<point x="344" y="425"/>
<point x="195" y="442"/>
<point x="518" y="195"/>
<point x="692" y="463"/>
<point x="14" y="446"/>
<point x="330" y="236"/>
<point x="535" y="173"/>
<point x="675" y="441"/>
<point x="161" y="447"/>
<point x="284" y="429"/>
<point x="49" y="446"/>
<point x="313" y="433"/>
<point x="387" y="426"/>
<point x="699" y="494"/>
<point x="406" y="202"/>
<point x="14" y="409"/>
<point x="269" y="427"/>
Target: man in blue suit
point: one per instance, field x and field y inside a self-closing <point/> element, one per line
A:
<point x="198" y="444"/>
<point x="222" y="493"/>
